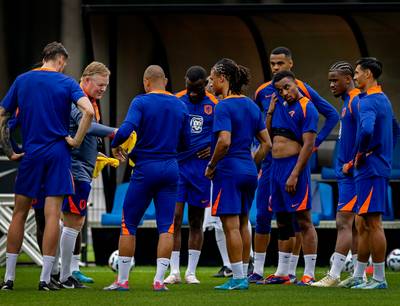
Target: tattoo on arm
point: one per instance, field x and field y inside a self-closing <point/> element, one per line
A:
<point x="5" y="133"/>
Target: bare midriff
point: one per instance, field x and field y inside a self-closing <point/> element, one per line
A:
<point x="284" y="147"/>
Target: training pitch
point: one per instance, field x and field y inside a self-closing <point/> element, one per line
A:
<point x="25" y="291"/>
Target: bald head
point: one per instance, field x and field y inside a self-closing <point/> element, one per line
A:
<point x="154" y="78"/>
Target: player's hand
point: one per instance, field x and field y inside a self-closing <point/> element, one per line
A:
<point x="16" y="156"/>
<point x="272" y="103"/>
<point x="205" y="153"/>
<point x="359" y="160"/>
<point x="210" y="172"/>
<point x="347" y="166"/>
<point x="291" y="183"/>
<point x="71" y="142"/>
<point x="119" y="154"/>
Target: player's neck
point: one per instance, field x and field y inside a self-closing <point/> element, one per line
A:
<point x="50" y="65"/>
<point x="369" y="84"/>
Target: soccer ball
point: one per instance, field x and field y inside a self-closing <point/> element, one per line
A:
<point x="393" y="260"/>
<point x="348" y="265"/>
<point x="113" y="261"/>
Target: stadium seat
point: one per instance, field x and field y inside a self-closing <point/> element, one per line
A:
<point x="314" y="162"/>
<point x="150" y="213"/>
<point x="328" y="173"/>
<point x="389" y="211"/>
<point x="395" y="174"/>
<point x="253" y="213"/>
<point x="327" y="206"/>
<point x="114" y="218"/>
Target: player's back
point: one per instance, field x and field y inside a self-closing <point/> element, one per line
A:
<point x="162" y="127"/>
<point x="44" y="99"/>
<point x="245" y="120"/>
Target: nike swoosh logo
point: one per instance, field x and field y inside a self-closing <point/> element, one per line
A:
<point x="341" y="204"/>
<point x="125" y="261"/>
<point x="204" y="201"/>
<point x="268" y="96"/>
<point x="7" y="172"/>
<point x="164" y="265"/>
<point x="294" y="205"/>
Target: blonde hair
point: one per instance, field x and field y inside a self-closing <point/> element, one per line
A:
<point x="95" y="68"/>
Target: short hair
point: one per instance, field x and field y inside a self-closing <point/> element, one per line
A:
<point x="281" y="75"/>
<point x="53" y="50"/>
<point x="372" y="64"/>
<point x="282" y="50"/>
<point x="196" y="73"/>
<point x="95" y="68"/>
<point x="343" y="68"/>
<point x="237" y="75"/>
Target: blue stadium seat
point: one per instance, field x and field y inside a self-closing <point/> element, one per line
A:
<point x="314" y="162"/>
<point x="395" y="174"/>
<point x="327" y="206"/>
<point x="253" y="213"/>
<point x="114" y="218"/>
<point x="150" y="213"/>
<point x="389" y="211"/>
<point x="328" y="173"/>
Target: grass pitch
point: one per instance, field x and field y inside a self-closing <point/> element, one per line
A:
<point x="26" y="293"/>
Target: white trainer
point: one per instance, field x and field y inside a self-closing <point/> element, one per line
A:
<point x="173" y="278"/>
<point x="327" y="281"/>
<point x="191" y="279"/>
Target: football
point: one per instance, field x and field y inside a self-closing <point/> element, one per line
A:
<point x="113" y="261"/>
<point x="393" y="260"/>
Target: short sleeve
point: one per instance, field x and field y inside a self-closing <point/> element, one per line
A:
<point x="76" y="91"/>
<point x="10" y="101"/>
<point x="310" y="124"/>
<point x="222" y="118"/>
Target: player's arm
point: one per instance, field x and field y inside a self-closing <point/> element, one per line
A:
<point x="221" y="148"/>
<point x="130" y="124"/>
<point x="270" y="112"/>
<point x="184" y="137"/>
<point x="264" y="146"/>
<point x="326" y="110"/>
<point x="87" y="111"/>
<point x="101" y="130"/>
<point x="95" y="129"/>
<point x="7" y="107"/>
<point x="222" y="126"/>
<point x="367" y="115"/>
<point x="309" y="131"/>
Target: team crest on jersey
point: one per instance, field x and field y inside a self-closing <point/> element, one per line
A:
<point x="208" y="109"/>
<point x="291" y="113"/>
<point x="196" y="124"/>
<point x="343" y="112"/>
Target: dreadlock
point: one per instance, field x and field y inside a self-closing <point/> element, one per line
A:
<point x="237" y="75"/>
<point x="342" y="67"/>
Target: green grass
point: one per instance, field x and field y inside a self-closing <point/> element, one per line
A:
<point x="25" y="292"/>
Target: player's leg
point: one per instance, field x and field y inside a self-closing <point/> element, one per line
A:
<point x="74" y="212"/>
<point x="262" y="231"/>
<point x="75" y="262"/>
<point x="51" y="237"/>
<point x="174" y="277"/>
<point x="136" y="201"/>
<point x="309" y="245"/>
<point x="27" y="186"/>
<point x="195" y="243"/>
<point x="232" y="230"/>
<point x="15" y="238"/>
<point x="294" y="257"/>
<point x="164" y="202"/>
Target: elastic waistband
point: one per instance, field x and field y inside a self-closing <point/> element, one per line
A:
<point x="285" y="159"/>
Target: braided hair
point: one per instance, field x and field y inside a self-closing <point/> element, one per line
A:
<point x="342" y="67"/>
<point x="237" y="75"/>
